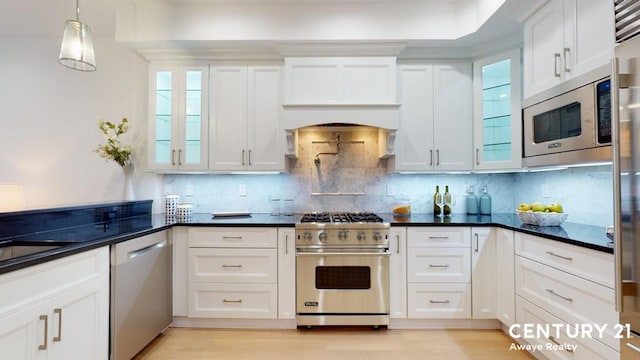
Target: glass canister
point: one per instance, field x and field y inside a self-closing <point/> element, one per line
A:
<point x="485" y="202"/>
<point x="471" y="202"/>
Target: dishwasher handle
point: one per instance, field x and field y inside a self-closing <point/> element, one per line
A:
<point x="146" y="249"/>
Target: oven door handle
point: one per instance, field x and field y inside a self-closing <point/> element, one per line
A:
<point x="353" y="253"/>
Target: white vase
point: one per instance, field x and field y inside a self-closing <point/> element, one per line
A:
<point x="127" y="190"/>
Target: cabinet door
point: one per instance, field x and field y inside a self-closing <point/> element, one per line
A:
<point x="23" y="332"/>
<point x="505" y="304"/>
<point x="484" y="273"/>
<point x="398" y="273"/>
<point x="452" y="131"/>
<point x="79" y="322"/>
<point x="543" y="47"/>
<point x="286" y="274"/>
<point x="228" y="122"/>
<point x="178" y="109"/>
<point x="589" y="35"/>
<point x="497" y="120"/>
<point x="265" y="138"/>
<point x="414" y="139"/>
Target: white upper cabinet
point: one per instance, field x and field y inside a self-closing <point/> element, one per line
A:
<point x="245" y="132"/>
<point x="497" y="122"/>
<point x="340" y="80"/>
<point x="435" y="132"/>
<point x="564" y="39"/>
<point x="178" y="118"/>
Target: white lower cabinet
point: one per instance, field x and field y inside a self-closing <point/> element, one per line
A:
<point x="286" y="273"/>
<point x="57" y="310"/>
<point x="233" y="273"/>
<point x="505" y="263"/>
<point x="398" y="273"/>
<point x="439" y="301"/>
<point x="484" y="276"/>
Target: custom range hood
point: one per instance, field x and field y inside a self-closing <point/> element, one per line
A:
<point x="345" y="90"/>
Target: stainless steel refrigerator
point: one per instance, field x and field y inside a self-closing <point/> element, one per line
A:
<point x="625" y="105"/>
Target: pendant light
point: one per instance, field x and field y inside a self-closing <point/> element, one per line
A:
<point x="76" y="51"/>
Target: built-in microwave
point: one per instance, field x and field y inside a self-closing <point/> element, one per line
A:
<point x="569" y="127"/>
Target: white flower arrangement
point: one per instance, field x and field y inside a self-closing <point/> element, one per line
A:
<point x="114" y="149"/>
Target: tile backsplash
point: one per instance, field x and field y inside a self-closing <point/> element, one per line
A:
<point x="350" y="177"/>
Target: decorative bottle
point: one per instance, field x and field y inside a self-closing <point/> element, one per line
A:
<point x="485" y="202"/>
<point x="437" y="201"/>
<point x="471" y="202"/>
<point x="448" y="201"/>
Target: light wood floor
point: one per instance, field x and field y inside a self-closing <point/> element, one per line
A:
<point x="331" y="344"/>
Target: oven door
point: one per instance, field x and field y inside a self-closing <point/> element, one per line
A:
<point x="563" y="123"/>
<point x="342" y="283"/>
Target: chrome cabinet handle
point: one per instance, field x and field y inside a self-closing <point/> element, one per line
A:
<point x="633" y="347"/>
<point x="566" y="54"/>
<point x="45" y="318"/>
<point x="243" y="164"/>
<point x="477" y="242"/>
<point x="477" y="156"/>
<point x="550" y="291"/>
<point x="437" y="157"/>
<point x="180" y="157"/>
<point x="249" y="157"/>
<point x="286" y="244"/>
<point x="439" y="301"/>
<point x="556" y="58"/>
<point x="59" y="312"/>
<point x="431" y="157"/>
<point x="553" y="340"/>
<point x="560" y="256"/>
<point x="398" y="244"/>
<point x="232" y="237"/>
<point x="232" y="301"/>
<point x="438" y="237"/>
<point x="173" y="157"/>
<point x="231" y="266"/>
<point x="438" y="266"/>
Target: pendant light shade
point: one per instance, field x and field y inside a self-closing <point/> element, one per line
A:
<point x="76" y="51"/>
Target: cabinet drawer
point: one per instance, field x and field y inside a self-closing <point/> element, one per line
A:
<point x="590" y="264"/>
<point x="233" y="237"/>
<point x="439" y="301"/>
<point x="441" y="265"/>
<point x="570" y="298"/>
<point x="233" y="265"/>
<point x="21" y="287"/>
<point x="254" y="301"/>
<point x="438" y="237"/>
<point x="585" y="348"/>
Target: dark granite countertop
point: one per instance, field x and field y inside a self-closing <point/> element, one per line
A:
<point x="588" y="236"/>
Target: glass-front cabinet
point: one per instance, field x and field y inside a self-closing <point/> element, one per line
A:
<point x="497" y="114"/>
<point x="178" y="128"/>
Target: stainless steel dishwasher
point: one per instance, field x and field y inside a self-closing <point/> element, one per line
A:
<point x="141" y="293"/>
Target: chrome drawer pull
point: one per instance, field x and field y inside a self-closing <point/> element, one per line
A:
<point x="45" y="318"/>
<point x="59" y="337"/>
<point x="550" y="291"/>
<point x="438" y="237"/>
<point x="232" y="301"/>
<point x="232" y="237"/>
<point x="633" y="347"/>
<point x="438" y="266"/>
<point x="439" y="301"/>
<point x="560" y="256"/>
<point x="553" y="340"/>
<point x="231" y="266"/>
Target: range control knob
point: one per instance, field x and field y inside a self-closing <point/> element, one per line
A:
<point x="361" y="236"/>
<point x="342" y="235"/>
<point x="377" y="236"/>
<point x="307" y="235"/>
<point x="322" y="237"/>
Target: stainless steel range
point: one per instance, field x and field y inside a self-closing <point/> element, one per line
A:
<point x="342" y="268"/>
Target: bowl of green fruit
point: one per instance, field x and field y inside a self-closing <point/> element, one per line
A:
<point x="540" y="214"/>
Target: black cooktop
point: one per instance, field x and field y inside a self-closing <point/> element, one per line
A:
<point x="340" y="217"/>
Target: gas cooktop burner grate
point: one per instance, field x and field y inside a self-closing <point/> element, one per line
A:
<point x="341" y="217"/>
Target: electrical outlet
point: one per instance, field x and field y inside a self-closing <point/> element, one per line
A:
<point x="545" y="191"/>
<point x="242" y="189"/>
<point x="189" y="190"/>
<point x="391" y="190"/>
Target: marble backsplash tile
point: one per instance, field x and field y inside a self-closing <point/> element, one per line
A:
<point x="356" y="180"/>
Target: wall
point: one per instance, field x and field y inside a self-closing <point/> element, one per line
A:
<point x="50" y="116"/>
